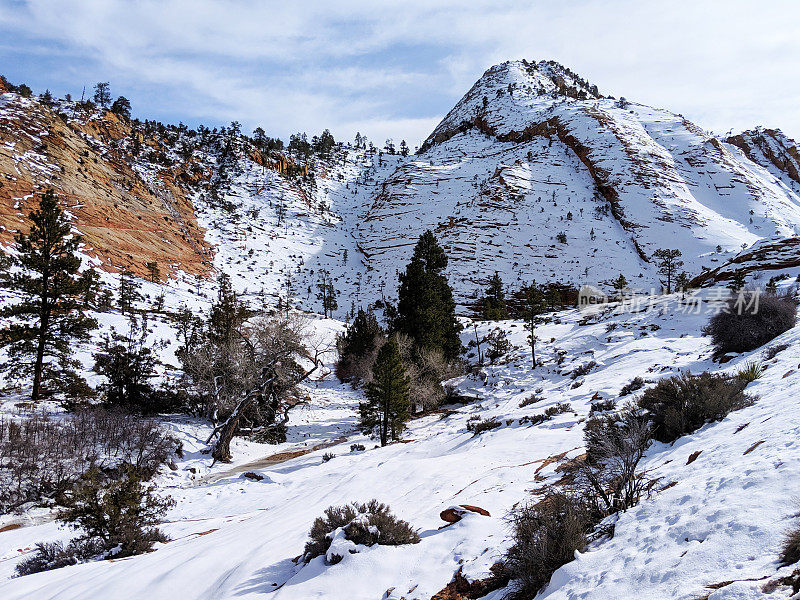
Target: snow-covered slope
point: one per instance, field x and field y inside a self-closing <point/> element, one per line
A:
<point x="717" y="520"/>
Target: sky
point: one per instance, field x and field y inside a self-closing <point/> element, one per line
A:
<point x="394" y="69"/>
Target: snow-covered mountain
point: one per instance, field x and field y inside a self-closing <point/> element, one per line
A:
<point x="533" y="174"/>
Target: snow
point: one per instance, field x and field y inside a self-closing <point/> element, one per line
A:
<point x="722" y="519"/>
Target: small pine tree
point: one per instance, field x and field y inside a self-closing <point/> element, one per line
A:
<point x="682" y="283"/>
<point x="620" y="284"/>
<point x="55" y="298"/>
<point x="121" y="513"/>
<point x="534" y="304"/>
<point x="668" y="263"/>
<point x="227" y="313"/>
<point x="494" y="300"/>
<point x="153" y="272"/>
<point x="327" y="294"/>
<point x="102" y="94"/>
<point x="386" y="409"/>
<point x="128" y="293"/>
<point x="737" y="282"/>
<point x="122" y="107"/>
<point x="128" y="363"/>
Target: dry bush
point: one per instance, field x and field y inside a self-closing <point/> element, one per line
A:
<point x="790" y="548"/>
<point x="683" y="403"/>
<point x="364" y="524"/>
<point x="615" y="444"/>
<point x="478" y="426"/>
<point x="42" y="457"/>
<point x="426" y="369"/>
<point x="545" y="537"/>
<point x="633" y="385"/>
<point x="735" y="330"/>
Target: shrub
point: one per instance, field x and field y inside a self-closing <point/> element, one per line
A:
<point x="583" y="369"/>
<point x="558" y="409"/>
<point x="738" y="329"/>
<point x="633" y="385"/>
<point x="118" y="512"/>
<point x="530" y="400"/>
<point x="614" y="446"/>
<point x="363" y="524"/>
<point x="773" y="351"/>
<point x="480" y="425"/>
<point x="49" y="556"/>
<point x="790" y="548"/>
<point x="602" y="406"/>
<point x="357" y="448"/>
<point x="328" y="456"/>
<point x="682" y="404"/>
<point x="750" y="372"/>
<point x="41" y="458"/>
<point x="545" y="537"/>
<point x="498" y="344"/>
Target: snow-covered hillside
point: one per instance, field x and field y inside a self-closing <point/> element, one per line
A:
<point x="711" y="526"/>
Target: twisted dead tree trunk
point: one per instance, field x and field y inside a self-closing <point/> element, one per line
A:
<point x="265" y="388"/>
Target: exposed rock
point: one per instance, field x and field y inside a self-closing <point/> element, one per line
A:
<point x="455" y="513"/>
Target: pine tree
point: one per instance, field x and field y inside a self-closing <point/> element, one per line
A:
<point x="128" y="291"/>
<point x="534" y="306"/>
<point x="102" y="94"/>
<point x="326" y="293"/>
<point x="387" y="405"/>
<point x="425" y="307"/>
<point x="227" y="314"/>
<point x="494" y="300"/>
<point x="122" y="107"/>
<point x="668" y="265"/>
<point x="620" y="284"/>
<point x="738" y="279"/>
<point x="56" y="296"/>
<point x="682" y="283"/>
<point x="153" y="272"/>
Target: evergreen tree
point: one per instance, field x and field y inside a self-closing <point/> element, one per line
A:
<point x="620" y="284"/>
<point x="102" y="94"/>
<point x="425" y="307"/>
<point x="668" y="265"/>
<point x="153" y="272"/>
<point x="738" y="279"/>
<point x="494" y="300"/>
<point x="327" y="294"/>
<point x="55" y="298"/>
<point x="128" y="291"/>
<point x="227" y="314"/>
<point x="128" y="363"/>
<point x="387" y="405"/>
<point x="122" y="107"/>
<point x="534" y="305"/>
<point x="682" y="283"/>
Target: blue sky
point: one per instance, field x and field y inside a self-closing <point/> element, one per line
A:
<point x="393" y="69"/>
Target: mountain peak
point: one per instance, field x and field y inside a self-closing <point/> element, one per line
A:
<point x="510" y="87"/>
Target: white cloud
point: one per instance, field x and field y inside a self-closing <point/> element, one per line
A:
<point x="380" y="66"/>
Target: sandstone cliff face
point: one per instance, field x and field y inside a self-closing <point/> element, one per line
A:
<point x="126" y="220"/>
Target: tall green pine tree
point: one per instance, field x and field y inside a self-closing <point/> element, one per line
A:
<point x="55" y="297"/>
<point x="425" y="308"/>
